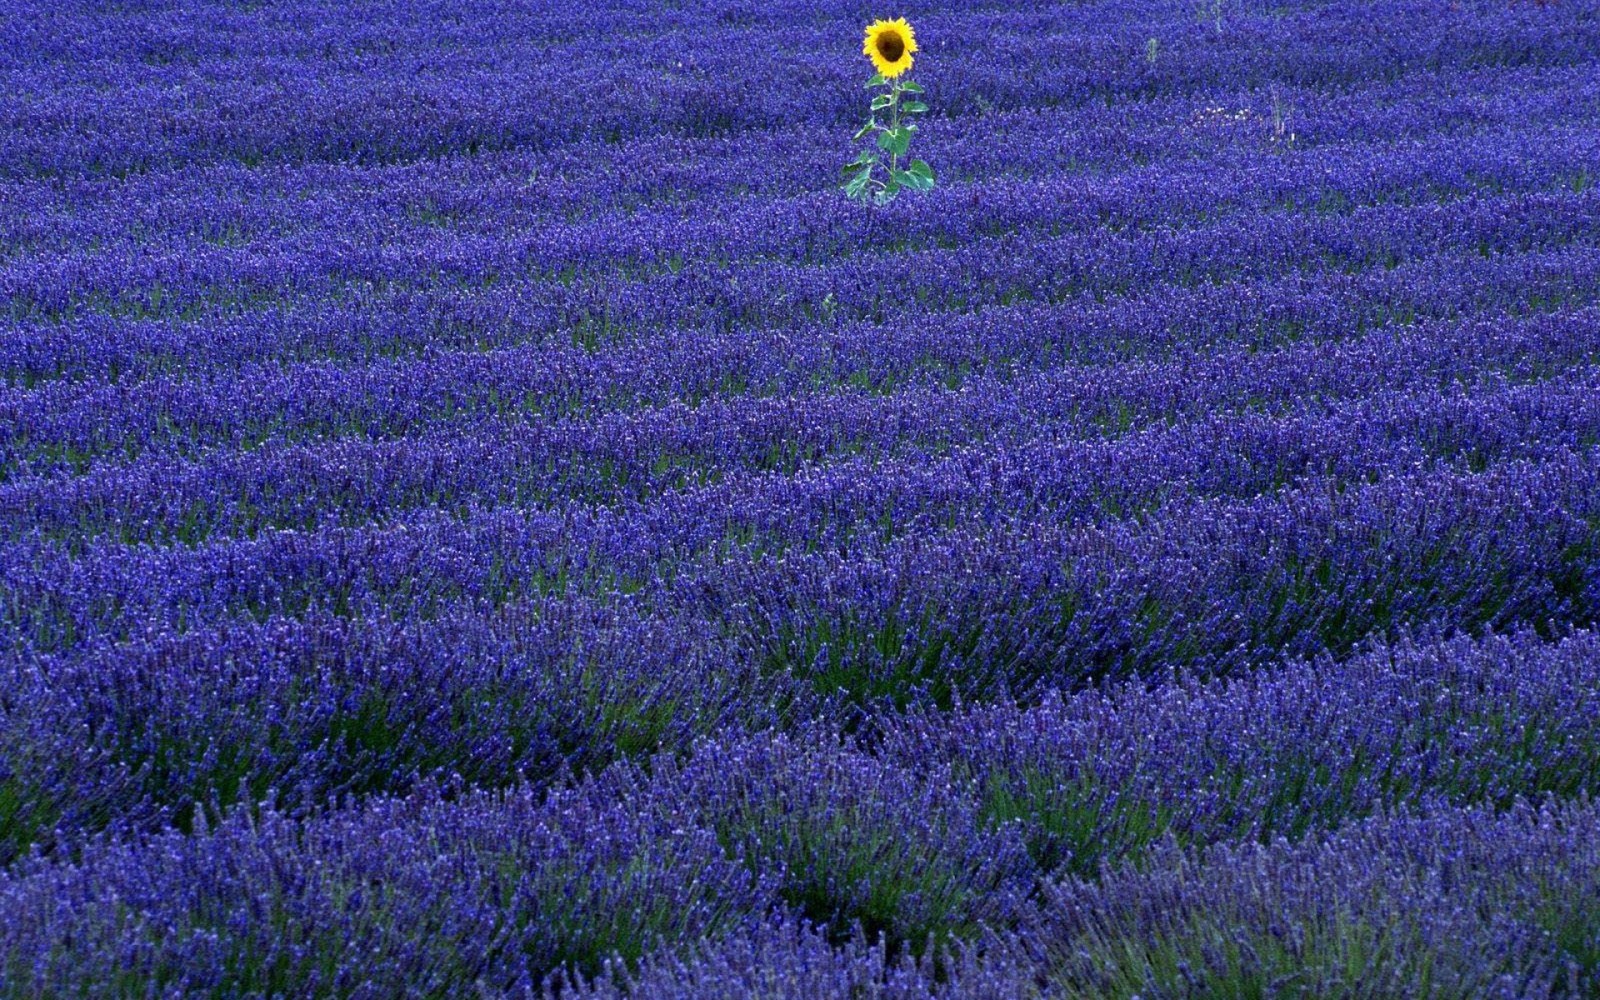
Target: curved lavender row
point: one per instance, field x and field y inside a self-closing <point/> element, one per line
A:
<point x="1426" y="137"/>
<point x="1313" y="179"/>
<point x="629" y="457"/>
<point x="1097" y="778"/>
<point x="504" y="889"/>
<point x="824" y="506"/>
<point x="573" y="189"/>
<point x="792" y="960"/>
<point x="1452" y="904"/>
<point x="1205" y="586"/>
<point x="1496" y="905"/>
<point x="420" y="565"/>
<point x="403" y="101"/>
<point x="148" y="734"/>
<point x="1072" y="482"/>
<point x="508" y="889"/>
<point x="888" y="624"/>
<point x="42" y="429"/>
<point x="658" y="369"/>
<point x="421" y="894"/>
<point x="194" y="282"/>
<point x="997" y="597"/>
<point x="390" y="398"/>
<point x="1048" y="480"/>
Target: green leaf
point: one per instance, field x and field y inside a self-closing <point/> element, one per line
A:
<point x="915" y="107"/>
<point x="867" y="158"/>
<point x="921" y="169"/>
<point x="858" y="184"/>
<point x="910" y="87"/>
<point x="895" y="141"/>
<point x="877" y="80"/>
<point x="866" y="129"/>
<point x="916" y="182"/>
<point x="888" y="194"/>
<point x="883" y="101"/>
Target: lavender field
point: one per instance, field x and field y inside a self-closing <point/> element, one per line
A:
<point x="483" y="514"/>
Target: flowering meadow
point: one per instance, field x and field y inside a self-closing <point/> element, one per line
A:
<point x="485" y="513"/>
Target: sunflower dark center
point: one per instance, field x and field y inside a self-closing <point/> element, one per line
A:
<point x="891" y="46"/>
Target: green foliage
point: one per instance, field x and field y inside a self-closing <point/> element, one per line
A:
<point x="882" y="177"/>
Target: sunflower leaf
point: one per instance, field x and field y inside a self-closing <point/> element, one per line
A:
<point x="883" y="101"/>
<point x="910" y="87"/>
<point x="858" y="184"/>
<point x="877" y="80"/>
<point x="915" y="107"/>
<point x="895" y="141"/>
<point x="867" y="129"/>
<point x="914" y="181"/>
<point x="921" y="169"/>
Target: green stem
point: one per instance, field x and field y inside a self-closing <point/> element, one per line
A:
<point x="894" y="158"/>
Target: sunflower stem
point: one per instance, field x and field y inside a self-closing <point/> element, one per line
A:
<point x="894" y="158"/>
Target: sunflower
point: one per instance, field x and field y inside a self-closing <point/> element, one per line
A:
<point x="889" y="45"/>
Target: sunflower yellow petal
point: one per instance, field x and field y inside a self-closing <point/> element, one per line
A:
<point x="890" y="46"/>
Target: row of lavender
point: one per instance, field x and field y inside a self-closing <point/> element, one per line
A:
<point x="181" y="244"/>
<point x="1021" y="821"/>
<point x="502" y="642"/>
<point x="451" y="537"/>
<point x="118" y="91"/>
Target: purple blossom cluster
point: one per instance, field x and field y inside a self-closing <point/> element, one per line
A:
<point x="481" y="514"/>
<point x="1228" y="833"/>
